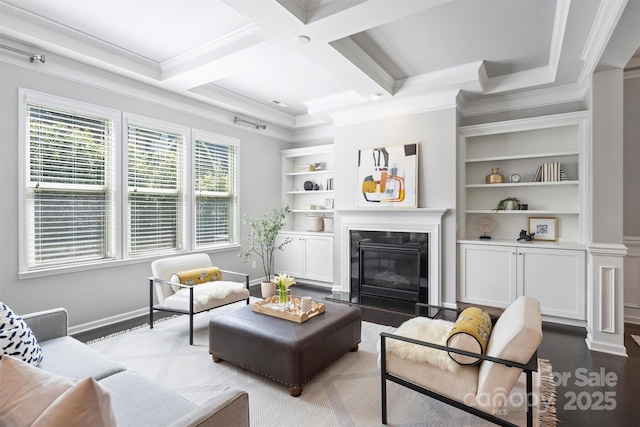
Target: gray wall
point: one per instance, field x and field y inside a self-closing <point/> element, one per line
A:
<point x="607" y="157"/>
<point x="122" y="287"/>
<point x="632" y="157"/>
<point x="436" y="133"/>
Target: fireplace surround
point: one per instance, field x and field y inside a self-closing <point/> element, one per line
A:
<point x="420" y="220"/>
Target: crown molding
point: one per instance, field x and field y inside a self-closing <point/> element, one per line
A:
<point x="607" y="18"/>
<point x="390" y="109"/>
<point x="559" y="28"/>
<point x="521" y="101"/>
<point x="81" y="73"/>
<point x="58" y="39"/>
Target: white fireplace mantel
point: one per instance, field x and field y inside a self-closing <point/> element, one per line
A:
<point x="420" y="220"/>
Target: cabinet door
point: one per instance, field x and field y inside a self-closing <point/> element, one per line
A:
<point x="290" y="259"/>
<point x="487" y="275"/>
<point x="318" y="260"/>
<point x="554" y="277"/>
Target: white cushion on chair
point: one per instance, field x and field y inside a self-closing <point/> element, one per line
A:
<point x="461" y="385"/>
<point x="207" y="296"/>
<point x="516" y="336"/>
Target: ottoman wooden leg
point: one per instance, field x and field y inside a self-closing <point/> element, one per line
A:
<point x="216" y="359"/>
<point x="295" y="391"/>
<point x="354" y="348"/>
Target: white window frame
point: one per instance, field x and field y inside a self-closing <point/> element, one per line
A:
<point x="184" y="173"/>
<point x="222" y="139"/>
<point x="118" y="212"/>
<point x="25" y="97"/>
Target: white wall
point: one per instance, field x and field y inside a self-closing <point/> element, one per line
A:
<point x="122" y="288"/>
<point x="436" y="133"/>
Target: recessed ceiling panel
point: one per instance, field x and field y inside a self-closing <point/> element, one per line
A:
<point x="155" y="29"/>
<point x="291" y="79"/>
<point x="460" y="32"/>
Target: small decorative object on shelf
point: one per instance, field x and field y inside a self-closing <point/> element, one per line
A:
<point x="524" y="237"/>
<point x="494" y="177"/>
<point x="508" y="204"/>
<point x="515" y="177"/>
<point x="308" y="185"/>
<point x="485" y="225"/>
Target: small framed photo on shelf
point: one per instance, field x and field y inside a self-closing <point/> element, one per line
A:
<point x="328" y="203"/>
<point x="546" y="228"/>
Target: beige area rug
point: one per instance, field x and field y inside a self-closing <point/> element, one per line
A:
<point x="636" y="338"/>
<point x="345" y="394"/>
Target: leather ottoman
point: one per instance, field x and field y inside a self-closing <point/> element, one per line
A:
<point x="288" y="352"/>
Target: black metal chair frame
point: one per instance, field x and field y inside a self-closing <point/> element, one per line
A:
<point x="190" y="312"/>
<point x="530" y="367"/>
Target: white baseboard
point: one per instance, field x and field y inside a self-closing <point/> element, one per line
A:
<point x="606" y="347"/>
<point x="632" y="315"/>
<point x="108" y="321"/>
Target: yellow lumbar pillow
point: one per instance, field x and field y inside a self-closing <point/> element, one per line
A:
<point x="196" y="277"/>
<point x="470" y="333"/>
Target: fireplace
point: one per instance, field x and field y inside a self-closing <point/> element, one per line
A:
<point x="389" y="231"/>
<point x="391" y="268"/>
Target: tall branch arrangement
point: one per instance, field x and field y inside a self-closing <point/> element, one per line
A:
<point x="262" y="238"/>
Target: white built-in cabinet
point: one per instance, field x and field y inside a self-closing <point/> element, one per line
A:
<point x="309" y="255"/>
<point x="497" y="271"/>
<point x="496" y="275"/>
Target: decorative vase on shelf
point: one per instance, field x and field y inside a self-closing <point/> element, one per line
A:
<point x="494" y="177"/>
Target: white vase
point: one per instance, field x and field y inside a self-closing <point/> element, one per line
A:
<point x="268" y="289"/>
<point x="511" y="205"/>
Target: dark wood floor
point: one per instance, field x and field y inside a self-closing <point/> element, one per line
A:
<point x="593" y="389"/>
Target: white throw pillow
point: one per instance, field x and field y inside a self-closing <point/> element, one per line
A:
<point x="16" y="338"/>
<point x="34" y="397"/>
<point x="86" y="404"/>
<point x="27" y="391"/>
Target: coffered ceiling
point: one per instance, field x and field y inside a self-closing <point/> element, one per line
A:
<point x="317" y="58"/>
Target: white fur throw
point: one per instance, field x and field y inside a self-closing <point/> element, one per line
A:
<point x="424" y="329"/>
<point x="205" y="292"/>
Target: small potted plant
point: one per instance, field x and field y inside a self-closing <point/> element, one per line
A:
<point x="262" y="242"/>
<point x="508" y="204"/>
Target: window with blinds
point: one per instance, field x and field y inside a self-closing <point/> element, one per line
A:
<point x="69" y="204"/>
<point x="155" y="190"/>
<point x="215" y="187"/>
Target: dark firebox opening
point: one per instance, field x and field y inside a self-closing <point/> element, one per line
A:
<point x="389" y="269"/>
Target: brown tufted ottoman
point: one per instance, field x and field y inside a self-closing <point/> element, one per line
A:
<point x="288" y="352"/>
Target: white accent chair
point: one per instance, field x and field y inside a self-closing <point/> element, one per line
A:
<point x="480" y="389"/>
<point x="191" y="299"/>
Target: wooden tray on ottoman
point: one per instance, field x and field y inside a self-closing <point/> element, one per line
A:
<point x="267" y="306"/>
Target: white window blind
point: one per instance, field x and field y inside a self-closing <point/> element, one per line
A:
<point x="215" y="188"/>
<point x="69" y="206"/>
<point x="155" y="190"/>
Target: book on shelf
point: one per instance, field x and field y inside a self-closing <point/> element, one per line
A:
<point x="549" y="172"/>
<point x="536" y="177"/>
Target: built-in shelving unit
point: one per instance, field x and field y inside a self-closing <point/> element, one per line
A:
<point x="309" y="253"/>
<point x="520" y="147"/>
<point x="305" y="203"/>
<point x="497" y="271"/>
